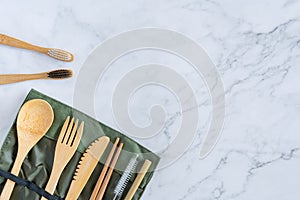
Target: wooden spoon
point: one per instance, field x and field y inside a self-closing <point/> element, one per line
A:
<point x="34" y="120"/>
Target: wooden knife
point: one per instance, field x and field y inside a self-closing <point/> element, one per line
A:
<point x="86" y="166"/>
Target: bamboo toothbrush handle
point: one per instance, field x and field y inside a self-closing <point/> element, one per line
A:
<point x="13" y="42"/>
<point x="138" y="180"/>
<point x="13" y="78"/>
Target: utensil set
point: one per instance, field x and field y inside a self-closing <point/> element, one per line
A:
<point x="52" y="52"/>
<point x="34" y="120"/>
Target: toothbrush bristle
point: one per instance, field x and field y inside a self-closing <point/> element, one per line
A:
<point x="60" y="55"/>
<point x="60" y="74"/>
<point x="118" y="191"/>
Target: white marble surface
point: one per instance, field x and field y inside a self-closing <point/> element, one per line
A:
<point x="256" y="47"/>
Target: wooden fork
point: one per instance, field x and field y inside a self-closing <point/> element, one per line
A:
<point x="66" y="146"/>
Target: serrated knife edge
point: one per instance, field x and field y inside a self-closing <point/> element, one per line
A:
<point x="86" y="166"/>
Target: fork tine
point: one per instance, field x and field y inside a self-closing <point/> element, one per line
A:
<point x="78" y="135"/>
<point x="73" y="133"/>
<point x="67" y="133"/>
<point x="64" y="129"/>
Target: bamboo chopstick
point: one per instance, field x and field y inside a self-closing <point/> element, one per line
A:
<point x="138" y="180"/>
<point x="104" y="170"/>
<point x="109" y="173"/>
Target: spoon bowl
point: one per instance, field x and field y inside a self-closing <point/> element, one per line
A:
<point x="34" y="120"/>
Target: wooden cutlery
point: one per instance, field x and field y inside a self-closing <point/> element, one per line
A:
<point x="86" y="166"/>
<point x="34" y="120"/>
<point x="66" y="146"/>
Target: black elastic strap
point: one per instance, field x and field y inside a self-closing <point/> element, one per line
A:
<point x="29" y="185"/>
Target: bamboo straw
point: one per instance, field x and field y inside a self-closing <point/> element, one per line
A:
<point x="109" y="173"/>
<point x="138" y="180"/>
<point x="104" y="170"/>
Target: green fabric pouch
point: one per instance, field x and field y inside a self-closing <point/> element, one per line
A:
<point x="38" y="163"/>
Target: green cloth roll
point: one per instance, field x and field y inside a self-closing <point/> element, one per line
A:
<point x="38" y="164"/>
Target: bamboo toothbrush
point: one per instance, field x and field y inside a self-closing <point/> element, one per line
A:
<point x="52" y="52"/>
<point x="56" y="74"/>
